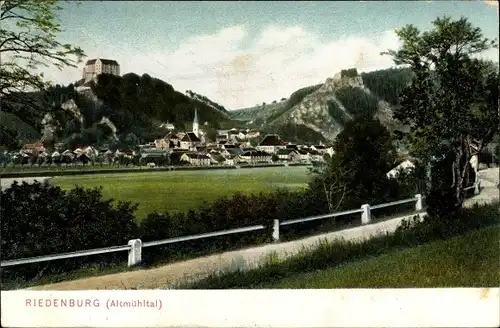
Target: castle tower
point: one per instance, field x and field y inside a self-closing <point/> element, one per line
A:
<point x="196" y="126"/>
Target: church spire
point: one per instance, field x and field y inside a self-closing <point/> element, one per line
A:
<point x="195" y="116"/>
<point x="196" y="126"/>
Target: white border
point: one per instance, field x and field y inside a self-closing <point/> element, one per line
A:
<point x="457" y="307"/>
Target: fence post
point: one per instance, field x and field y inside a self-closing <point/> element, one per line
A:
<point x="365" y="215"/>
<point x="135" y="252"/>
<point x="418" y="203"/>
<point x="476" y="187"/>
<point x="276" y="230"/>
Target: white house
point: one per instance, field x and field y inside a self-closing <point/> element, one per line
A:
<point x="406" y="166"/>
<point x="196" y="159"/>
<point x="288" y="154"/>
<point x="271" y="144"/>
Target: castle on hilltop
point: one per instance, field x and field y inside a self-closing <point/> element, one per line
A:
<point x="94" y="67"/>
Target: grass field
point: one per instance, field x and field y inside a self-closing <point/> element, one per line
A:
<point x="470" y="260"/>
<point x="183" y="190"/>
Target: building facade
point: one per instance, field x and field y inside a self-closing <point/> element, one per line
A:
<point x="94" y="67"/>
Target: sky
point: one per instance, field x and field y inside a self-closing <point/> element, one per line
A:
<point x="242" y="53"/>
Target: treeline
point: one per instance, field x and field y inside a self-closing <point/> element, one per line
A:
<point x="298" y="133"/>
<point x="206" y="100"/>
<point x="337" y="113"/>
<point x="357" y="101"/>
<point x="387" y="84"/>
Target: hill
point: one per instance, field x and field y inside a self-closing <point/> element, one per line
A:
<point x="112" y="110"/>
<point x="320" y="111"/>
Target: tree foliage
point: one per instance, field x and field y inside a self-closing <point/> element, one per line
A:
<point x="133" y="101"/>
<point x="357" y="101"/>
<point x="388" y="84"/>
<point x="452" y="103"/>
<point x="356" y="173"/>
<point x="28" y="41"/>
<point x="337" y="113"/>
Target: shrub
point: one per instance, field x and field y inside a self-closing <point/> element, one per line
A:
<point x="40" y="219"/>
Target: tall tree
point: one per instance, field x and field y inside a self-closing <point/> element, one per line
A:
<point x="452" y="103"/>
<point x="356" y="173"/>
<point x="28" y="42"/>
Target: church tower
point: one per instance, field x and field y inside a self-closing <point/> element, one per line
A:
<point x="196" y="126"/>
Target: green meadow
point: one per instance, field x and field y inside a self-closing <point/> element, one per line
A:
<point x="172" y="191"/>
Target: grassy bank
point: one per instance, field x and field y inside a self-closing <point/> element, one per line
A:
<point x="178" y="191"/>
<point x="470" y="260"/>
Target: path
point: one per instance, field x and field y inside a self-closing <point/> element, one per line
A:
<point x="162" y="277"/>
<point x="7" y="182"/>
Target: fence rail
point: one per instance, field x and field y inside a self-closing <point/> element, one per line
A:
<point x="203" y="235"/>
<point x="318" y="217"/>
<point x="135" y="246"/>
<point x="46" y="258"/>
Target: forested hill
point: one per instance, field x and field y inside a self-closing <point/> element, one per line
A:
<point x="114" y="109"/>
<point x="319" y="112"/>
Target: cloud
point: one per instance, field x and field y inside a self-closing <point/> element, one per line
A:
<point x="238" y="71"/>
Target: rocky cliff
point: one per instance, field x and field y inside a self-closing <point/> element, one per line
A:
<point x="340" y="98"/>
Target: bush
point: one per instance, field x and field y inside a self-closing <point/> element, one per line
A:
<point x="40" y="219"/>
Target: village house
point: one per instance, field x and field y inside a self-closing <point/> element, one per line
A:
<point x="190" y="141"/>
<point x="162" y="143"/>
<point x="196" y="159"/>
<point x="231" y="152"/>
<point x="271" y="144"/>
<point x="222" y="133"/>
<point x="304" y="155"/>
<point x="254" y="156"/>
<point x="290" y="155"/>
<point x="173" y="140"/>
<point x="319" y="148"/>
<point x="168" y="126"/>
<point x="233" y="135"/>
<point x="405" y="166"/>
<point x="253" y="134"/>
<point x="217" y="158"/>
<point x="315" y="155"/>
<point x="220" y="137"/>
<point x="154" y="155"/>
<point x="242" y="135"/>
<point x="34" y="148"/>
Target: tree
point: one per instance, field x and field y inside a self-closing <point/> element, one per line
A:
<point x="356" y="173"/>
<point x="332" y="181"/>
<point x="365" y="148"/>
<point x="451" y="104"/>
<point x="28" y="41"/>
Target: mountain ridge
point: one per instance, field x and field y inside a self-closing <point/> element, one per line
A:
<point x="324" y="108"/>
<point x="103" y="111"/>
